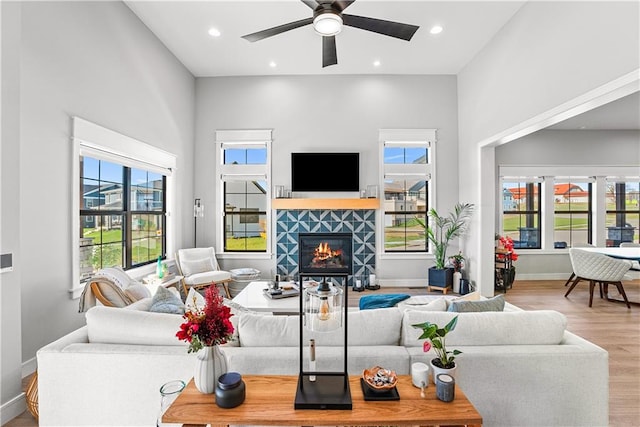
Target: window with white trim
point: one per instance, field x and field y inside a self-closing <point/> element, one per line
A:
<point x="244" y="170"/>
<point x="407" y="158"/>
<point x="120" y="201"/>
<point x="572" y="211"/>
<point x="622" y="210"/>
<point x="521" y="212"/>
<point x="571" y="205"/>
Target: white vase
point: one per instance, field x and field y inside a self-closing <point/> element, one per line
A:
<point x="456" y="282"/>
<point x="438" y="370"/>
<point x="210" y="364"/>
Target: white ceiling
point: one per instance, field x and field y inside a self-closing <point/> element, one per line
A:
<point x="183" y="27"/>
<point x="468" y="26"/>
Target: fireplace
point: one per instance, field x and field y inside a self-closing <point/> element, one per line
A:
<point x="325" y="253"/>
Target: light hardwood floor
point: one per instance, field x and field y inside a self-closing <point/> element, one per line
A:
<point x="610" y="325"/>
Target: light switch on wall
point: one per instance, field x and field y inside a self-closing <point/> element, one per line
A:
<point x="6" y="263"/>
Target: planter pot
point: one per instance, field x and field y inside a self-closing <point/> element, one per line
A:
<point x="441" y="277"/>
<point x="438" y="370"/>
<point x="210" y="364"/>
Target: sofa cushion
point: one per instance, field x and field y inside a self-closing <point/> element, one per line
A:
<point x="137" y="291"/>
<point x="418" y="303"/>
<point x="492" y="304"/>
<point x="112" y="325"/>
<point x="164" y="301"/>
<point x="544" y="327"/>
<point x="207" y="277"/>
<point x="369" y="327"/>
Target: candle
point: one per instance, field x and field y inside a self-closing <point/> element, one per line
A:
<point x="445" y="387"/>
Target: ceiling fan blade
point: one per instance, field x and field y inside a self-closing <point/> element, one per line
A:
<point x="254" y="37"/>
<point x="329" y="55"/>
<point x="311" y="3"/>
<point x="380" y="26"/>
<point x="342" y="4"/>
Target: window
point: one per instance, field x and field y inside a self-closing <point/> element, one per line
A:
<point x="572" y="212"/>
<point x="622" y="211"/>
<point x="120" y="204"/>
<point x="115" y="230"/>
<point x="407" y="157"/>
<point x="521" y="212"/>
<point x="244" y="168"/>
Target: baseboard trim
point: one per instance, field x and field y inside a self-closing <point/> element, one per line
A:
<point x="542" y="276"/>
<point x="13" y="408"/>
<point x="29" y="367"/>
<point x="403" y="283"/>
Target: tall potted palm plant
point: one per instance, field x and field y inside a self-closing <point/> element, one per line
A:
<point x="440" y="232"/>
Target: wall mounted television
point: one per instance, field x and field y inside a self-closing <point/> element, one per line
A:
<point x="325" y="172"/>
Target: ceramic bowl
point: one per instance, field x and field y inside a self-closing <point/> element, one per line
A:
<point x="380" y="379"/>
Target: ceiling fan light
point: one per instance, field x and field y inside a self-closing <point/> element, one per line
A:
<point x="327" y="24"/>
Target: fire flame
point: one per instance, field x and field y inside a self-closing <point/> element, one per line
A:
<point x="324" y="252"/>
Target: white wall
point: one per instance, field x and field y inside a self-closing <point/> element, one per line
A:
<point x="548" y="54"/>
<point x="10" y="319"/>
<point x="97" y="61"/>
<point x="326" y="113"/>
<point x="565" y="148"/>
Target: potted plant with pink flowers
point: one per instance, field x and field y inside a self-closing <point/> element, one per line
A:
<point x="435" y="338"/>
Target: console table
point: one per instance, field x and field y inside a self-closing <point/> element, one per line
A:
<point x="269" y="401"/>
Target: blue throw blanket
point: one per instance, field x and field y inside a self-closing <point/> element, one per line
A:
<point x="381" y="301"/>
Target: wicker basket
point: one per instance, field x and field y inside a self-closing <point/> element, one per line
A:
<point x="32" y="395"/>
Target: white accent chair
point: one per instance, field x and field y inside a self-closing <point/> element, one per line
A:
<point x="573" y="274"/>
<point x="598" y="268"/>
<point x="200" y="269"/>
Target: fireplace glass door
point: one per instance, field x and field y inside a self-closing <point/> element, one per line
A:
<point x="325" y="253"/>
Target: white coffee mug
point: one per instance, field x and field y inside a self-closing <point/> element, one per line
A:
<point x="420" y="374"/>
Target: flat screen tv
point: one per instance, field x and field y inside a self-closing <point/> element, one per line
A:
<point x="325" y="172"/>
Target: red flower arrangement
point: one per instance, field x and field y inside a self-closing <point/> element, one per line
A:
<point x="507" y="243"/>
<point x="208" y="326"/>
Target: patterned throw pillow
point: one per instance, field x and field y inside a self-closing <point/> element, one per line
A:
<point x="492" y="304"/>
<point x="165" y="301"/>
<point x="115" y="275"/>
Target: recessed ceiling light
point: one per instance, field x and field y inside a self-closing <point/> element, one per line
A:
<point x="272" y="64"/>
<point x="214" y="32"/>
<point x="436" y="29"/>
<point x="376" y="63"/>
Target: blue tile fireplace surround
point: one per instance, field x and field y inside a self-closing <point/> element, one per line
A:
<point x="361" y="223"/>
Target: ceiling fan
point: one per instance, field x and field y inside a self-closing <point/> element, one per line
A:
<point x="328" y="20"/>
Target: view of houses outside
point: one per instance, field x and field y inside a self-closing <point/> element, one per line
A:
<point x="573" y="201"/>
<point x="404" y="201"/>
<point x="108" y="223"/>
<point x="245" y="204"/>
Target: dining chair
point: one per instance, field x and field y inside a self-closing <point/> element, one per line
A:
<point x="200" y="269"/>
<point x="573" y="274"/>
<point x="598" y="268"/>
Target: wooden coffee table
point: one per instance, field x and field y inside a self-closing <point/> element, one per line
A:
<point x="269" y="401"/>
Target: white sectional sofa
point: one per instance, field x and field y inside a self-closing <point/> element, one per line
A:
<point x="518" y="368"/>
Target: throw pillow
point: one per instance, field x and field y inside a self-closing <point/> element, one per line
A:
<point x="165" y="301"/>
<point x="493" y="304"/>
<point x="414" y="303"/>
<point x="196" y="266"/>
<point x="194" y="300"/>
<point x="137" y="292"/>
<point x="116" y="275"/>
